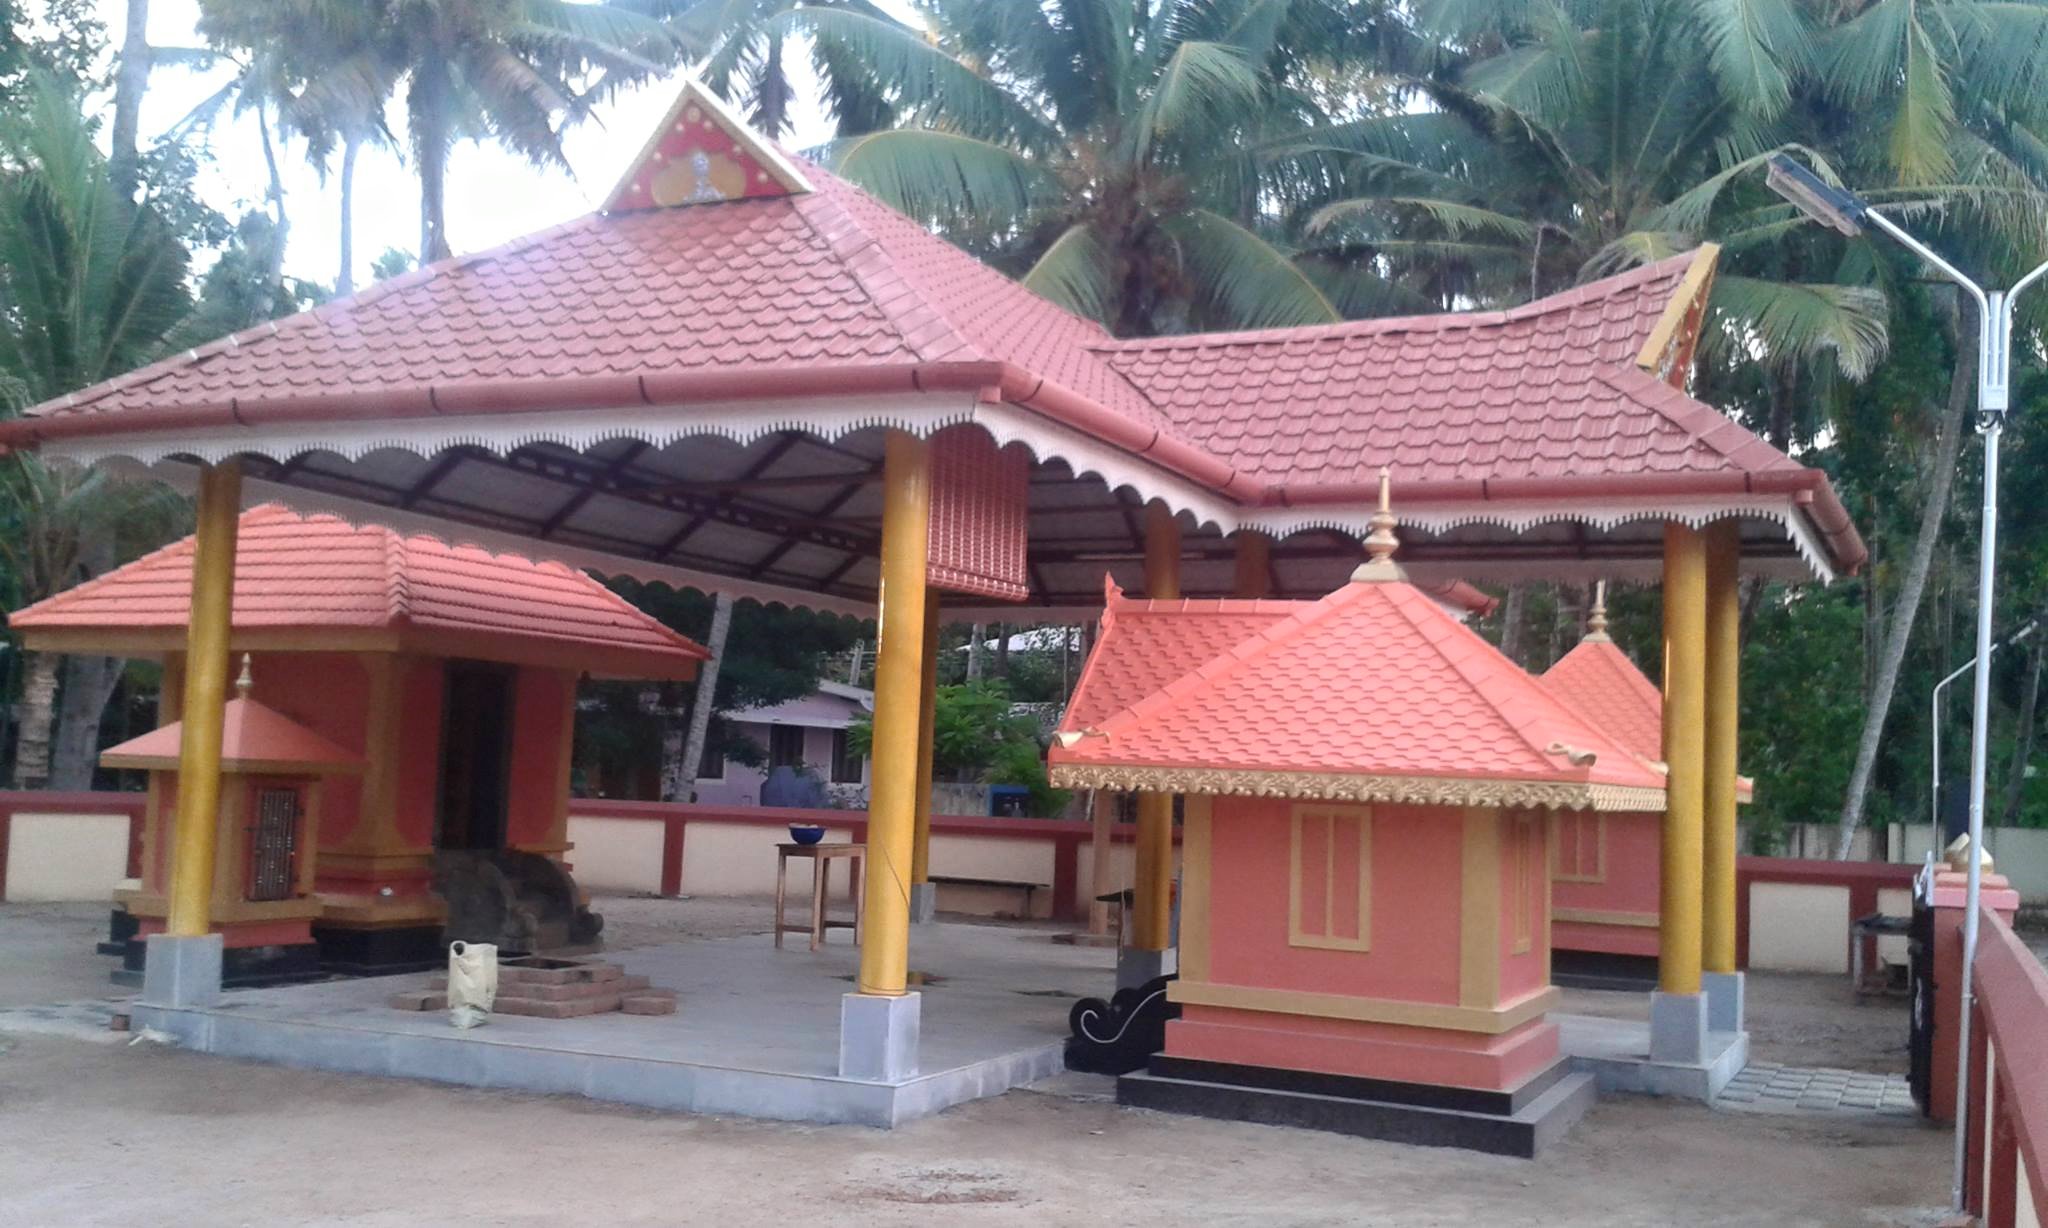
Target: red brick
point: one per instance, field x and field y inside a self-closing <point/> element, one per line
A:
<point x="419" y="1000"/>
<point x="574" y="1008"/>
<point x="648" y="1004"/>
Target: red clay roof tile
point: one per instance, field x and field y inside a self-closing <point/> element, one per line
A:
<point x="320" y="573"/>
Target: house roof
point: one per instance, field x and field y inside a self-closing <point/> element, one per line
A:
<point x="1375" y="692"/>
<point x="368" y="588"/>
<point x="254" y="739"/>
<point x="816" y="292"/>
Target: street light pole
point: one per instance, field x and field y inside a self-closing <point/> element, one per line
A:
<point x="1845" y="211"/>
<point x="1934" y="734"/>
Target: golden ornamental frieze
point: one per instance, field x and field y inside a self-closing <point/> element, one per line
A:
<point x="1356" y="787"/>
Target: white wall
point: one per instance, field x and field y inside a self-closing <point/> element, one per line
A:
<point x="616" y="854"/>
<point x="66" y="856"/>
<point x="1799" y="927"/>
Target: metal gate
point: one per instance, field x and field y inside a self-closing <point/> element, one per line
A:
<point x="272" y="842"/>
<point x="1920" y="971"/>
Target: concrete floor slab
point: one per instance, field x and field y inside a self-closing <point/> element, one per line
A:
<point x="1617" y="1052"/>
<point x="756" y="1034"/>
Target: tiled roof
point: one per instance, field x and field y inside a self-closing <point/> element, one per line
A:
<point x="1377" y="679"/>
<point x="1597" y="679"/>
<point x="253" y="736"/>
<point x="1546" y="390"/>
<point x="321" y="573"/>
<point x="828" y="292"/>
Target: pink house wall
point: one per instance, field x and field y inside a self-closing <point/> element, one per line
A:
<point x="419" y="771"/>
<point x="329" y="693"/>
<point x="541" y="715"/>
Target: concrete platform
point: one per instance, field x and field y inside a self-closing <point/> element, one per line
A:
<point x="756" y="1035"/>
<point x="1617" y="1053"/>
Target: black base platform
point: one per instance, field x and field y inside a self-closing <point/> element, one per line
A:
<point x="1521" y="1122"/>
<point x="1603" y="970"/>
<point x="240" y="967"/>
<point x="380" y="952"/>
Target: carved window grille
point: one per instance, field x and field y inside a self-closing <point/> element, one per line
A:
<point x="273" y="844"/>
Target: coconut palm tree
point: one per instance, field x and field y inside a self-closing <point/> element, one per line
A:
<point x="90" y="285"/>
<point x="1109" y="152"/>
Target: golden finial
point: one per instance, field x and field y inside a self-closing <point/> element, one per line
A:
<point x="247" y="682"/>
<point x="1381" y="543"/>
<point x="1596" y="619"/>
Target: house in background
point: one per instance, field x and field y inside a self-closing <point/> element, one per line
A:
<point x="807" y="734"/>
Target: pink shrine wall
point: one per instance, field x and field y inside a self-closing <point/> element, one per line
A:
<point x="1413" y="951"/>
<point x="329" y="693"/>
<point x="1605" y="883"/>
<point x="542" y="713"/>
<point x="417" y="792"/>
<point x="1275" y="972"/>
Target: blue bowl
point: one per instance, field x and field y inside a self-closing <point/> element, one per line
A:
<point x="806" y="833"/>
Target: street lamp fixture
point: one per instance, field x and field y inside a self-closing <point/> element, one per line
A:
<point x="1816" y="197"/>
<point x="1846" y="212"/>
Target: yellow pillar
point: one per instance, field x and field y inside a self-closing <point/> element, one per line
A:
<point x="921" y="847"/>
<point x="205" y="696"/>
<point x="1152" y="918"/>
<point x="1723" y="694"/>
<point x="899" y="659"/>
<point x="1254" y="564"/>
<point x="1685" y="659"/>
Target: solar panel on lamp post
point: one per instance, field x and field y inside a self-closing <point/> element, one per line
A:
<point x="1846" y="212"/>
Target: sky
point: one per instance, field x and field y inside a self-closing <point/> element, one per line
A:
<point x="493" y="196"/>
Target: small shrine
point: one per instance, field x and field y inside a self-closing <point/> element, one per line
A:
<point x="273" y="772"/>
<point x="1371" y="792"/>
<point x="1606" y="868"/>
<point x="446" y="676"/>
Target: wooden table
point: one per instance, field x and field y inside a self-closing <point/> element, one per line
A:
<point x="821" y="856"/>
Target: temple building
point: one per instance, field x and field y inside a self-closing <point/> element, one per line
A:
<point x="447" y="675"/>
<point x="744" y="375"/>
<point x="1371" y="795"/>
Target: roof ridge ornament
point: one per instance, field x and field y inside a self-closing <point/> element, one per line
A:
<point x="247" y="682"/>
<point x="1596" y="619"/>
<point x="703" y="152"/>
<point x="1381" y="543"/>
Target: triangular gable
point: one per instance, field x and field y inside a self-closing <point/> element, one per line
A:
<point x="702" y="153"/>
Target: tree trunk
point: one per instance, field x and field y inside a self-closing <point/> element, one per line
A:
<point x="131" y="81"/>
<point x="700" y="707"/>
<point x="89" y="683"/>
<point x="345" y="278"/>
<point x="38" y="713"/>
<point x="1002" y="650"/>
<point x="974" y="648"/>
<point x="281" y="224"/>
<point x="1897" y="629"/>
<point x="2023" y="741"/>
<point x="1511" y="622"/>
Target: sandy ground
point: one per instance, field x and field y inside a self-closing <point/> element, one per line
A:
<point x="97" y="1133"/>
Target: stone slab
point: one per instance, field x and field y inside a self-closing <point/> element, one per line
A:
<point x="760" y="1038"/>
<point x="878" y="1036"/>
<point x="1617" y="1052"/>
<point x="1726" y="994"/>
<point x="924" y="902"/>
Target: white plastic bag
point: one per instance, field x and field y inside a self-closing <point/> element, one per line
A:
<point x="472" y="982"/>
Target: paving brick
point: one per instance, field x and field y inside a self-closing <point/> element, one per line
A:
<point x="573" y="1008"/>
<point x="419" y="1000"/>
<point x="648" y="1004"/>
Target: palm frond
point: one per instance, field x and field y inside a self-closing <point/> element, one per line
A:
<point x="1202" y="87"/>
<point x="1239" y="279"/>
<point x="1756" y="48"/>
<point x="931" y="174"/>
<point x="1075" y="272"/>
<point x="1784" y="323"/>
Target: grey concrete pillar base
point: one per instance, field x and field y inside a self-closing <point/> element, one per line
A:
<point x="1726" y="1008"/>
<point x="181" y="971"/>
<point x="878" y="1037"/>
<point x="1135" y="967"/>
<point x="1678" y="1028"/>
<point x="924" y="902"/>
